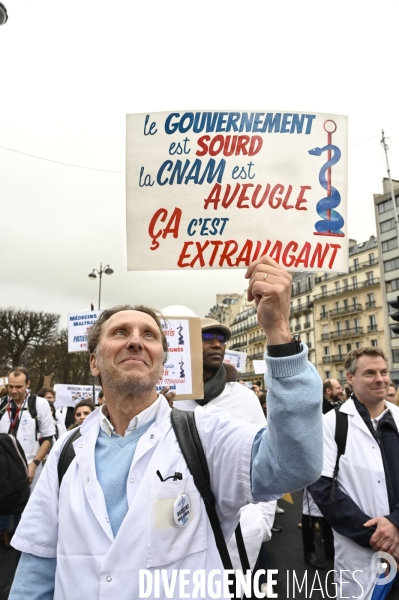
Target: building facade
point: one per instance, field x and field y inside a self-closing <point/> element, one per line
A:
<point x="348" y="310"/>
<point x="386" y="215"/>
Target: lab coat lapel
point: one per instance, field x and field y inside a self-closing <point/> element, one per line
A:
<point x="350" y="409"/>
<point x="84" y="448"/>
<point x="154" y="433"/>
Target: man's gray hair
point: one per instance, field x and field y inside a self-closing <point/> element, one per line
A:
<point x="352" y="358"/>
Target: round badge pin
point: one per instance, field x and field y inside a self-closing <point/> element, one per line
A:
<point x="181" y="510"/>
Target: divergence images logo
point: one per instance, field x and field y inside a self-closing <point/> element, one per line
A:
<point x="380" y="561"/>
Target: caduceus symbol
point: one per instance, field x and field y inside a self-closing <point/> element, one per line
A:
<point x="332" y="221"/>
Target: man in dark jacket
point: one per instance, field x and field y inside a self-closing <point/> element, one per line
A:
<point x="333" y="395"/>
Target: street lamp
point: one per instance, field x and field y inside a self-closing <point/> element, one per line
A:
<point x="108" y="271"/>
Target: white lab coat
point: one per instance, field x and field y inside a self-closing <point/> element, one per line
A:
<point x="256" y="519"/>
<point x="361" y="476"/>
<point x="26" y="434"/>
<point x="89" y="559"/>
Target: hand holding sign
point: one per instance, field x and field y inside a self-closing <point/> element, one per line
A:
<point x="270" y="287"/>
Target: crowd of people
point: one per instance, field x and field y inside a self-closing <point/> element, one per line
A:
<point x="122" y="468"/>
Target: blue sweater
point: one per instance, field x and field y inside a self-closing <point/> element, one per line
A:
<point x="294" y="439"/>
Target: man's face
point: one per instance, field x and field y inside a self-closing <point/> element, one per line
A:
<point x="213" y="349"/>
<point x="370" y="381"/>
<point x="129" y="355"/>
<point x="391" y="394"/>
<point x="81" y="414"/>
<point x="336" y="393"/>
<point x="17" y="386"/>
<point x="49" y="396"/>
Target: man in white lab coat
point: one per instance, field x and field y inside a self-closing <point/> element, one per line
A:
<point x="364" y="511"/>
<point x="115" y="529"/>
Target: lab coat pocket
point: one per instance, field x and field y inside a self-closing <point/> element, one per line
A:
<point x="176" y="523"/>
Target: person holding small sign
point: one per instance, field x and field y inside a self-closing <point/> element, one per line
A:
<point x="116" y="513"/>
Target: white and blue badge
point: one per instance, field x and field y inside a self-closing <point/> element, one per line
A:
<point x="181" y="510"/>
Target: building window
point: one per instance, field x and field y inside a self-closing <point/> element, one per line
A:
<point x="339" y="327"/>
<point x="341" y="374"/>
<point x="327" y="374"/>
<point x="387" y="225"/>
<point x="356" y="264"/>
<point x="395" y="356"/>
<point x="392" y="285"/>
<point x="323" y="311"/>
<point x="337" y="286"/>
<point x="309" y="283"/>
<point x="372" y="260"/>
<point x="384" y="206"/>
<point x="354" y="300"/>
<point x="348" y="347"/>
<point x="357" y="324"/>
<point x="390" y="244"/>
<point x="370" y="277"/>
<point x="373" y="343"/>
<point x="324" y="291"/>
<point x="326" y="350"/>
<point x="340" y="352"/>
<point x="354" y="282"/>
<point x="370" y="301"/>
<point x="358" y="344"/>
<point x="345" y="284"/>
<point x="390" y="265"/>
<point x="347" y="325"/>
<point x="372" y="323"/>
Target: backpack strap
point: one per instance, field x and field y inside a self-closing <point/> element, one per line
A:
<point x="186" y="432"/>
<point x="3" y="406"/>
<point x="341" y="434"/>
<point x="67" y="454"/>
<point x="33" y="412"/>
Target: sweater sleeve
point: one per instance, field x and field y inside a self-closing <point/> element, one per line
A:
<point x="288" y="454"/>
<point x="34" y="578"/>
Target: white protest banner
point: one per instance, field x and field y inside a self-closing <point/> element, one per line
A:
<point x="259" y="366"/>
<point x="3" y="380"/>
<point x="237" y="359"/>
<point x="183" y="367"/>
<point x="69" y="395"/>
<point x="219" y="189"/>
<point x="78" y="326"/>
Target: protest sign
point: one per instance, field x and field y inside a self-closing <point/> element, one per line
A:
<point x="183" y="367"/>
<point x="70" y="395"/>
<point x="259" y="367"/>
<point x="237" y="359"/>
<point x="78" y="326"/>
<point x="219" y="189"/>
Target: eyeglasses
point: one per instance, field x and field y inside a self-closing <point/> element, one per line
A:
<point x="209" y="337"/>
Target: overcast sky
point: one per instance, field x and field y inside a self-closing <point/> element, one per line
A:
<point x="71" y="71"/>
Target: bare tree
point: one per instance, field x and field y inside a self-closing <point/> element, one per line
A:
<point x="23" y="332"/>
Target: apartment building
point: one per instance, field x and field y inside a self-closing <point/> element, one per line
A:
<point x="386" y="216"/>
<point x="348" y="309"/>
<point x="301" y="310"/>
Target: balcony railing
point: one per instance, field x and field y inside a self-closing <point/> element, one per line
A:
<point x="370" y="304"/>
<point x="371" y="328"/>
<point x="345" y="310"/>
<point x="324" y="315"/>
<point x="349" y="288"/>
<point x="363" y="265"/>
<point x="236" y="345"/>
<point x="302" y="308"/>
<point x="333" y="358"/>
<point x="325" y="336"/>
<point x="257" y="338"/>
<point x="344" y="333"/>
<point x="257" y="356"/>
<point x="307" y="325"/>
<point x="297" y="327"/>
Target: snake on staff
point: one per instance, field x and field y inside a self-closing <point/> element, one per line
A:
<point x="331" y="221"/>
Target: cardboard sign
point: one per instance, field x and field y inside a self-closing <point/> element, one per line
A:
<point x="70" y="395"/>
<point x="78" y="327"/>
<point x="237" y="359"/>
<point x="219" y="189"/>
<point x="183" y="367"/>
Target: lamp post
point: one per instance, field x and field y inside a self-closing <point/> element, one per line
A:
<point x="108" y="271"/>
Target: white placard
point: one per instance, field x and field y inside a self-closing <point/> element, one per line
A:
<point x="259" y="366"/>
<point x="70" y="395"/>
<point x="237" y="359"/>
<point x="218" y="189"/>
<point x="78" y="326"/>
<point x="177" y="369"/>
